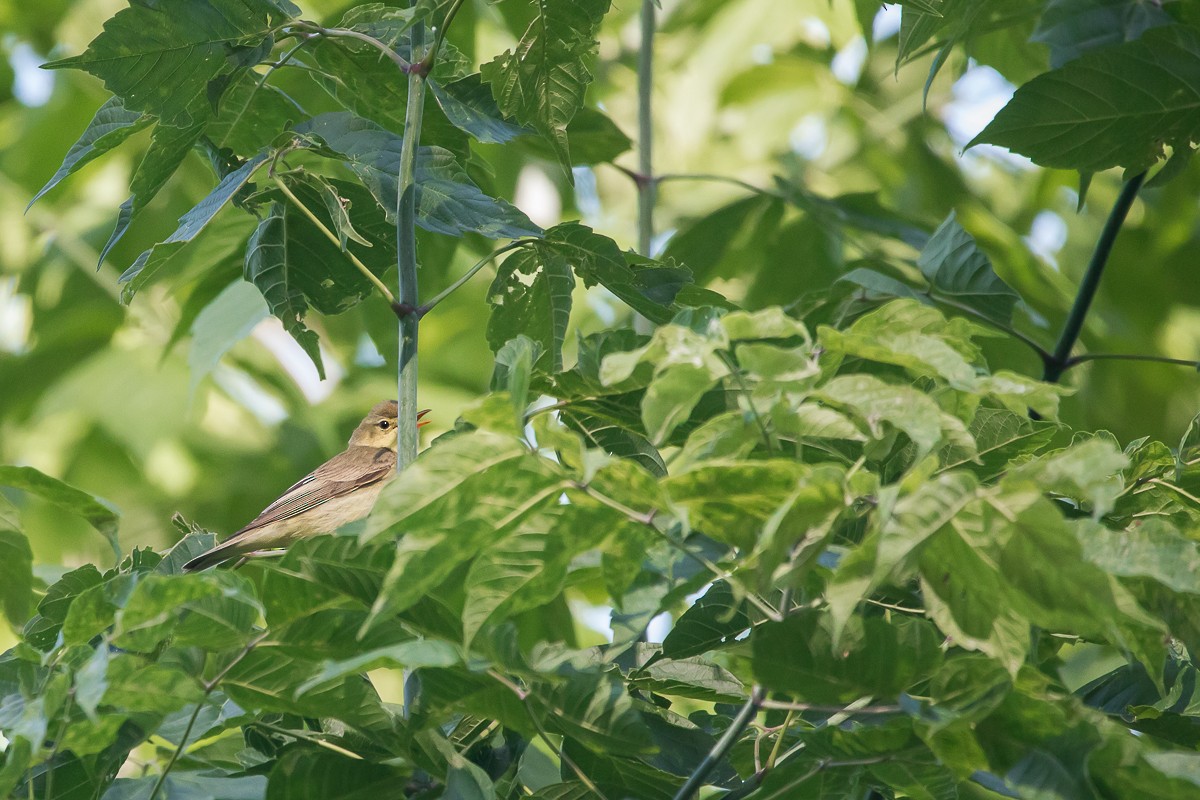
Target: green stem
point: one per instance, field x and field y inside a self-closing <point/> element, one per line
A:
<point x="480" y="264"/>
<point x="209" y="686"/>
<point x="1042" y="352"/>
<point x="705" y="176"/>
<point x="406" y="244"/>
<point x="1180" y="362"/>
<point x="647" y="186"/>
<point x="1091" y="280"/>
<point x="345" y="33"/>
<point x="427" y="62"/>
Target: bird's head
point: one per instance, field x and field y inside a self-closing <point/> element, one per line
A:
<point x="378" y="428"/>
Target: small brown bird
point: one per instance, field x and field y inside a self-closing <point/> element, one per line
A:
<point x="341" y="490"/>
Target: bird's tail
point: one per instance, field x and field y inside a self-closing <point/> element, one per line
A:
<point x="210" y="558"/>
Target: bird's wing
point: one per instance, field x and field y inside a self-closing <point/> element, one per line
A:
<point x="344" y="473"/>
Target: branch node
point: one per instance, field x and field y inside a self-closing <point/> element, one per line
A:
<point x="405" y="310"/>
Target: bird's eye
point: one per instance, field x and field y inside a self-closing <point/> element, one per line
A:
<point x="384" y="425"/>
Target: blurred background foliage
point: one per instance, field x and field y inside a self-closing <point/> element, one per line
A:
<point x="804" y="97"/>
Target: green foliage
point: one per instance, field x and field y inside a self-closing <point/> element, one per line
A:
<point x="806" y="432"/>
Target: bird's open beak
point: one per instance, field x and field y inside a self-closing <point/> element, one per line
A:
<point x="421" y="414"/>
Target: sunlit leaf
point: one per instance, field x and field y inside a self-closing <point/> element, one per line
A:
<point x="160" y="60"/>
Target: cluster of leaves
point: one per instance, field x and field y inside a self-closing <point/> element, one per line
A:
<point x="890" y="558"/>
<point x="877" y="561"/>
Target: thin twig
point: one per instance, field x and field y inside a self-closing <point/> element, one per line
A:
<point x="346" y="33"/>
<point x="735" y="371"/>
<point x="1180" y="362"/>
<point x="425" y="308"/>
<point x="705" y="176"/>
<point x="647" y="519"/>
<point x="783" y="729"/>
<point x="209" y="686"/>
<point x="786" y="705"/>
<point x="426" y="63"/>
<point x="283" y="187"/>
<point x="647" y="189"/>
<point x="1042" y="352"/>
<point x="723" y="745"/>
<point x="1175" y="488"/>
<point x="307" y="737"/>
<point x="62" y="731"/>
<point x="894" y="607"/>
<point x="1091" y="280"/>
<point x="523" y="696"/>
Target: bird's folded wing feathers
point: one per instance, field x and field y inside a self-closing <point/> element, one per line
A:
<point x="340" y="475"/>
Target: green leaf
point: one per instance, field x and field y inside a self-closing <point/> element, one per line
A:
<point x="647" y="287"/>
<point x="1152" y="550"/>
<point x="693" y="678"/>
<point x="98" y="513"/>
<point x="715" y="619"/>
<point x="418" y="654"/>
<point x="874" y="401"/>
<point x="95" y="608"/>
<point x="181" y="785"/>
<point x="513" y="372"/>
<point x="168" y="148"/>
<point x="214" y="611"/>
<point x="1113" y="107"/>
<point x="541" y="82"/>
<point x="614" y="439"/>
<point x="43" y="629"/>
<point x="454" y="499"/>
<point x="159" y="60"/>
<point x="596" y="711"/>
<point x="1089" y="471"/>
<point x="1074" y="27"/>
<point x="276" y="271"/>
<point x="878" y="285"/>
<point x="250" y="116"/>
<point x="267" y="680"/>
<point x="731" y="501"/>
<point x="191" y="224"/>
<point x="531" y="296"/>
<point x="623" y="777"/>
<point x="314" y="774"/>
<point x="960" y="272"/>
<point x="526" y="567"/>
<point x="112" y="125"/>
<point x="16" y="571"/>
<point x="135" y="684"/>
<point x="469" y="105"/>
<point x="873" y="656"/>
<point x="1000" y="436"/>
<point x="224" y="322"/>
<point x="448" y="201"/>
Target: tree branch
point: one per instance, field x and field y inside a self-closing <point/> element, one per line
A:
<point x="723" y="745"/>
<point x="406" y="246"/>
<point x="647" y="189"/>
<point x="1091" y="280"/>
